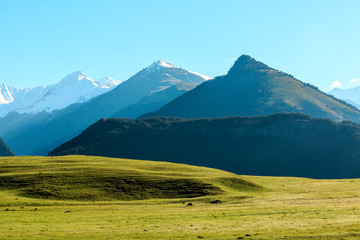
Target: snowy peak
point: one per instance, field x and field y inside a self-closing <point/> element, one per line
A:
<point x="163" y="64"/>
<point x="107" y="82"/>
<point x="7" y="93"/>
<point x="158" y="65"/>
<point x="80" y="77"/>
<point x="76" y="77"/>
<point x="5" y="96"/>
<point x="170" y="74"/>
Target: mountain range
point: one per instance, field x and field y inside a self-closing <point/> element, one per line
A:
<point x="36" y="133"/>
<point x="251" y="88"/>
<point x="74" y="88"/>
<point x="277" y="145"/>
<point x="350" y="95"/>
<point x="5" y="150"/>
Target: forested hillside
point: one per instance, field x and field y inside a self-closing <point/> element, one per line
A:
<point x="277" y="145"/>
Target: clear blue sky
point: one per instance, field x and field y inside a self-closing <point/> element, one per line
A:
<point x="42" y="41"/>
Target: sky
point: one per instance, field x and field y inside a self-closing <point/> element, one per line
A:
<point x="42" y="41"/>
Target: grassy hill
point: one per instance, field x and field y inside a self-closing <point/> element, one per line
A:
<point x="232" y="206"/>
<point x="103" y="179"/>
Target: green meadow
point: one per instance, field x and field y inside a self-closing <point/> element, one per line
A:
<point x="83" y="197"/>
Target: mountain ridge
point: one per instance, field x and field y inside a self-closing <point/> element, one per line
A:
<point x="349" y="95"/>
<point x="38" y="134"/>
<point x="74" y="88"/>
<point x="251" y="88"/>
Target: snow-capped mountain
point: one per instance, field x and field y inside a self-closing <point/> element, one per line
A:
<point x="146" y="91"/>
<point x="350" y="95"/>
<point x="163" y="64"/>
<point x="74" y="88"/>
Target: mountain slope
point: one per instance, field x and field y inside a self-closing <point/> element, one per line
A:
<point x="351" y="95"/>
<point x="155" y="78"/>
<point x="252" y="88"/>
<point x="7" y="93"/>
<point x="276" y="145"/>
<point x="74" y="88"/>
<point x="154" y="101"/>
<point x="38" y="134"/>
<point x="4" y="149"/>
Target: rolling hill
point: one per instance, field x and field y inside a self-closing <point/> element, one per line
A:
<point x="251" y="88"/>
<point x="86" y="197"/>
<point x="275" y="145"/>
<point x="84" y="178"/>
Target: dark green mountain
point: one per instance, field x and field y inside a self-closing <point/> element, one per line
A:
<point x="251" y="88"/>
<point x="5" y="150"/>
<point x="277" y="145"/>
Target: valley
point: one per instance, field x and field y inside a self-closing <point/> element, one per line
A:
<point x="245" y="207"/>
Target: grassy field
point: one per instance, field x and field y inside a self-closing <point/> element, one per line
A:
<point x="79" y="197"/>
